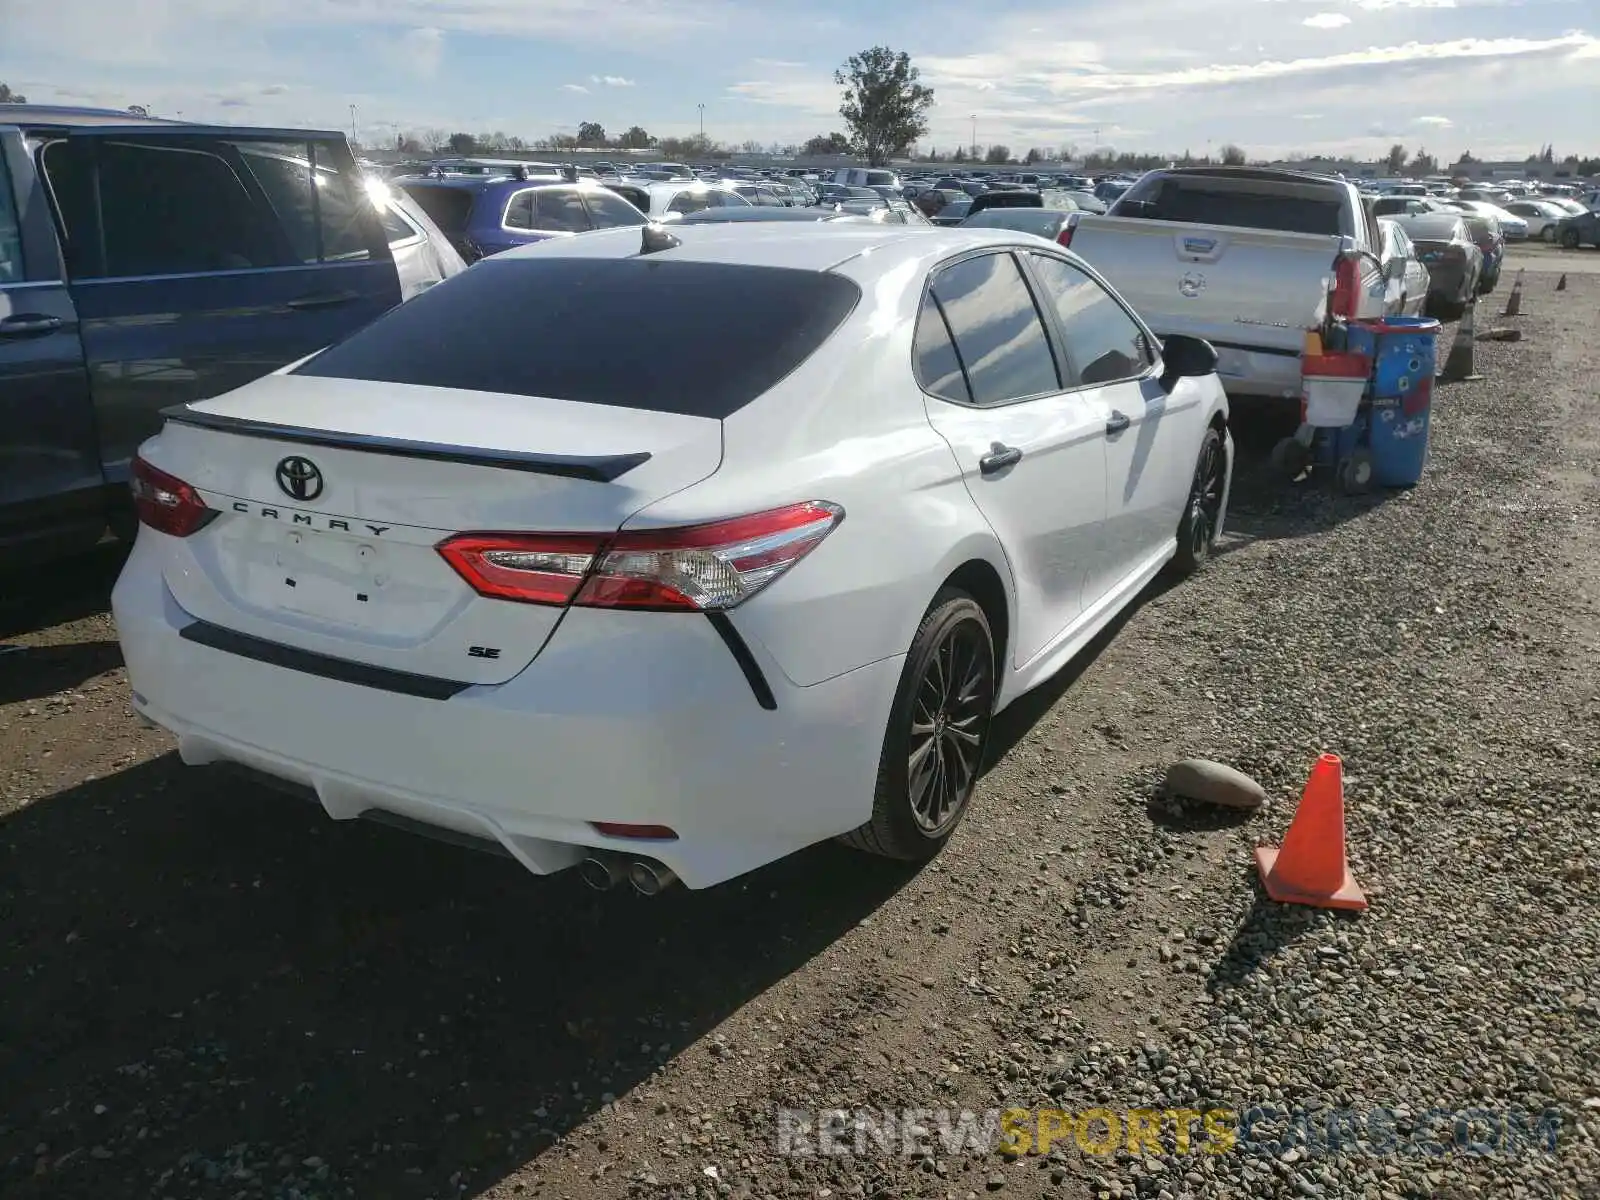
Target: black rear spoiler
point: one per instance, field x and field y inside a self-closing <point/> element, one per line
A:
<point x="601" y="468"/>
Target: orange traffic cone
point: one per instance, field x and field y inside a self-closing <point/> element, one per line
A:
<point x="1311" y="867"/>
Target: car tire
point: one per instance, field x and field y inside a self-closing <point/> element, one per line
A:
<point x="1548" y="234"/>
<point x="1569" y="239"/>
<point x="1449" y="311"/>
<point x="929" y="768"/>
<point x="1197" y="528"/>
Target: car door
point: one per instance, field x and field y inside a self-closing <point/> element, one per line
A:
<point x="1415" y="281"/>
<point x="1032" y="455"/>
<point x="50" y="481"/>
<point x="203" y="258"/>
<point x="1152" y="437"/>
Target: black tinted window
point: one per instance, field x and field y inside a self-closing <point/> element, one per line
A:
<point x="632" y="333"/>
<point x="1167" y="198"/>
<point x="934" y="356"/>
<point x="997" y="329"/>
<point x="447" y="207"/>
<point x="10" y="231"/>
<point x="343" y="208"/>
<point x="1102" y="342"/>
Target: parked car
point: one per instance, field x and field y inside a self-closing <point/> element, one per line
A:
<point x="1050" y="224"/>
<point x="1490" y="240"/>
<point x="671" y="200"/>
<point x="1447" y="248"/>
<point x="483" y="216"/>
<point x="1243" y="257"/>
<point x="1540" y="216"/>
<point x="1512" y="228"/>
<point x="759" y="194"/>
<point x="1087" y="201"/>
<point x="422" y="254"/>
<point x="1415" y="282"/>
<point x="887" y="211"/>
<point x="752" y="212"/>
<point x="1577" y="231"/>
<point x="145" y="263"/>
<point x="926" y="471"/>
<point x="954" y="212"/>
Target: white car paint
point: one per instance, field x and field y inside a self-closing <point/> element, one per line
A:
<point x="667" y="200"/>
<point x="599" y="714"/>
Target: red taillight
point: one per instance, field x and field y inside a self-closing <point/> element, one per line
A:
<point x="698" y="568"/>
<point x="166" y="503"/>
<point x="1346" y="287"/>
<point x="1064" y="238"/>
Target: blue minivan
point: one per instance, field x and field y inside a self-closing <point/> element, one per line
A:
<point x="145" y="263"/>
<point x="483" y="216"/>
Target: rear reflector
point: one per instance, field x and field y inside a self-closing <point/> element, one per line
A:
<point x="166" y="503"/>
<point x="1064" y="238"/>
<point x="702" y="568"/>
<point x="658" y="833"/>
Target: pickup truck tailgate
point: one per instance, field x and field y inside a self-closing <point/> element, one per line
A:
<point x="1237" y="288"/>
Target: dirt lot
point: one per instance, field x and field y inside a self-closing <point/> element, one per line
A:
<point x="210" y="990"/>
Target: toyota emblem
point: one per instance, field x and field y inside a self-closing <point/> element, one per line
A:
<point x="299" y="478"/>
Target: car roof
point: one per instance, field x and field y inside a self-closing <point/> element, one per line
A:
<point x="796" y="245"/>
<point x="1434" y="223"/>
<point x="69" y="115"/>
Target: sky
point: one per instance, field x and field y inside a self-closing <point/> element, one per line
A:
<point x="1499" y="78"/>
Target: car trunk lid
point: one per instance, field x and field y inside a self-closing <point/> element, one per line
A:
<point x="333" y="495"/>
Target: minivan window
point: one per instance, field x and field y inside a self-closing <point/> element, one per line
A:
<point x="997" y="329"/>
<point x="549" y="327"/>
<point x="559" y="210"/>
<point x="165" y="209"/>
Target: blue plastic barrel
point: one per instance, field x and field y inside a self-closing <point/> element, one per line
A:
<point x="1403" y="350"/>
<point x="1398" y="437"/>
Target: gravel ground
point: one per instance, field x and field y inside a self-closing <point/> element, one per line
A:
<point x="212" y="992"/>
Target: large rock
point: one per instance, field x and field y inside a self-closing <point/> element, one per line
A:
<point x="1214" y="783"/>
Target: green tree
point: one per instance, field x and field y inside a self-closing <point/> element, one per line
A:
<point x="960" y="155"/>
<point x="998" y="154"/>
<point x="462" y="143"/>
<point x="1233" y="156"/>
<point x="635" y="137"/>
<point x="7" y="96"/>
<point x="1395" y="161"/>
<point x="591" y="133"/>
<point x="824" y="144"/>
<point x="1032" y="156"/>
<point x="885" y="106"/>
<point x="1424" y="163"/>
<point x="1466" y="159"/>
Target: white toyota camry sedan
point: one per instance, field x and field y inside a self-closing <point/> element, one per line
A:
<point x="668" y="554"/>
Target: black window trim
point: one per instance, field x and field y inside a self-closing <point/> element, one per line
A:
<point x="1030" y="285"/>
<point x="1151" y="342"/>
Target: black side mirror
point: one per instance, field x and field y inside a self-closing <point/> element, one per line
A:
<point x="1184" y="357"/>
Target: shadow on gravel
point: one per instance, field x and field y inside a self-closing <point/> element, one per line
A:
<point x="58" y="592"/>
<point x="1183" y="816"/>
<point x="1267" y="928"/>
<point x="245" y="985"/>
<point x="36" y="671"/>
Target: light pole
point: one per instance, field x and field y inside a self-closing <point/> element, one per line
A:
<point x="702" y="109"/>
<point x="974" y="135"/>
<point x="352" y="123"/>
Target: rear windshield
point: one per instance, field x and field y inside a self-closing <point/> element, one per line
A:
<point x="1211" y="202"/>
<point x="1028" y="220"/>
<point x="699" y="339"/>
<point x="447" y="207"/>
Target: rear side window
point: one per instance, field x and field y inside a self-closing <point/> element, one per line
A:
<point x="519" y="211"/>
<point x="688" y="202"/>
<point x="447" y="207"/>
<point x="997" y="329"/>
<point x="559" y="210"/>
<point x="166" y="208"/>
<point x="629" y="333"/>
<point x="1101" y="339"/>
<point x="607" y="210"/>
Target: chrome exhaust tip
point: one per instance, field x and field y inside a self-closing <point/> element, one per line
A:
<point x="651" y="878"/>
<point x="602" y="873"/>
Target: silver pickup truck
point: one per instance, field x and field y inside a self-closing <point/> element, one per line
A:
<point x="1249" y="260"/>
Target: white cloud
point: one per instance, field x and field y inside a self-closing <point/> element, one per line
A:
<point x="779" y="64"/>
<point x="1326" y="21"/>
<point x="1379" y="5"/>
<point x="610" y="81"/>
<point x="575" y="87"/>
<point x="417" y="51"/>
<point x="1435" y="122"/>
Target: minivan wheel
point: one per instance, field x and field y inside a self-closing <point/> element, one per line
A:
<point x="937" y="735"/>
<point x="1197" y="530"/>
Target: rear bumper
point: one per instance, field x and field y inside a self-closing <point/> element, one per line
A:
<point x="1253" y="371"/>
<point x="643" y="718"/>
